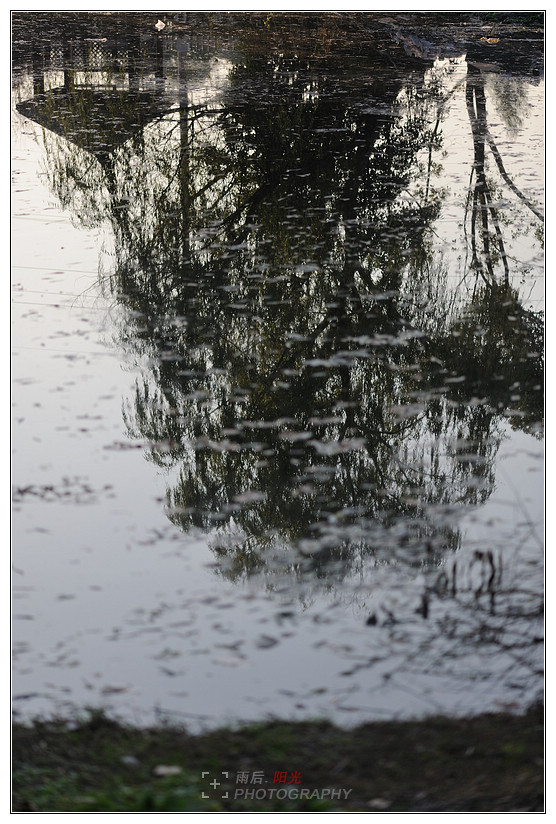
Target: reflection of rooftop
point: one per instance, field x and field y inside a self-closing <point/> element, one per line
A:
<point x="99" y="91"/>
<point x="96" y="91"/>
<point x="95" y="119"/>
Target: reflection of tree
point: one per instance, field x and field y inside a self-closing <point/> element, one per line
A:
<point x="318" y="444"/>
<point x="499" y="350"/>
<point x="318" y="395"/>
<point x="270" y="389"/>
<point x="273" y="251"/>
<point x="486" y="236"/>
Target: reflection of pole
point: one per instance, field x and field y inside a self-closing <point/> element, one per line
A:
<point x="133" y="73"/>
<point x="38" y="72"/>
<point x="184" y="159"/>
<point x="159" y="64"/>
<point x="69" y="73"/>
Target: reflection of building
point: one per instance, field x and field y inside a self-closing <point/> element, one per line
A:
<point x="98" y="91"/>
<point x="86" y="124"/>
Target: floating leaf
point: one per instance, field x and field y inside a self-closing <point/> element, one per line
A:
<point x="379" y="803"/>
<point x="266" y="641"/>
<point x="167" y="769"/>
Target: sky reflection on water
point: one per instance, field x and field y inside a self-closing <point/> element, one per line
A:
<point x="269" y="557"/>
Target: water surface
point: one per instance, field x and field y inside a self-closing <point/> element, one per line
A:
<point x="277" y="367"/>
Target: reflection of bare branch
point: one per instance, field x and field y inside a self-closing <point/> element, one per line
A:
<point x="509" y="182"/>
<point x="431" y="142"/>
<point x="496" y="222"/>
<point x="253" y="200"/>
<point x="481" y="199"/>
<point x="184" y="152"/>
<point x="474" y="255"/>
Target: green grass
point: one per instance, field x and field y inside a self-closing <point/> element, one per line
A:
<point x="488" y="763"/>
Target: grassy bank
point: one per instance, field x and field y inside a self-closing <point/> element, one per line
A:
<point x="488" y="763"/>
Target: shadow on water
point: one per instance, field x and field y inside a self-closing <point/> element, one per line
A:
<point x="322" y="395"/>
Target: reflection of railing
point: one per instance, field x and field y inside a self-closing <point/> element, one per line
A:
<point x="91" y="54"/>
<point x="100" y="76"/>
<point x="98" y="60"/>
<point x="98" y="91"/>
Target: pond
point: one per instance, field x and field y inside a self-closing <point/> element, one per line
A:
<point x="277" y="374"/>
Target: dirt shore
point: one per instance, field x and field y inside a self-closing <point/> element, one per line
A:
<point x="488" y="763"/>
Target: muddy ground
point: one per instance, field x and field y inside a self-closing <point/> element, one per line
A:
<point x="488" y="763"/>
